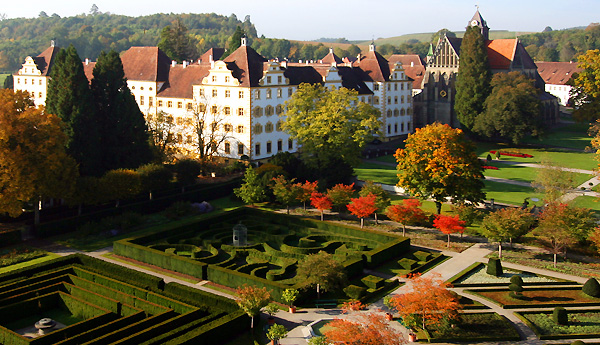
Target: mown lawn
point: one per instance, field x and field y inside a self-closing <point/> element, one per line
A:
<point x="579" y="323"/>
<point x="587" y="201"/>
<point x="564" y="158"/>
<point x="525" y="174"/>
<point x="377" y="173"/>
<point x="511" y="194"/>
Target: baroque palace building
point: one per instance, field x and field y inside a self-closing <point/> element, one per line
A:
<point x="240" y="98"/>
<point x="436" y="101"/>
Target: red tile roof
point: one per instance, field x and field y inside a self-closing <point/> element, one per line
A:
<point x="331" y="58"/>
<point x="375" y="66"/>
<point x="214" y="53"/>
<point x="413" y="67"/>
<point x="501" y="53"/>
<point x="146" y="64"/>
<point x="246" y="65"/>
<point x="181" y="80"/>
<point x="45" y="60"/>
<point x="557" y="73"/>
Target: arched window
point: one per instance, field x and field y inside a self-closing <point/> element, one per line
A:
<point x="227" y="148"/>
<point x="389" y="113"/>
<point x="269" y="110"/>
<point x="240" y="129"/>
<point x="258" y="128"/>
<point x="402" y="112"/>
<point x="396" y="112"/>
<point x="258" y="111"/>
<point x="279" y="109"/>
<point x="227" y="127"/>
<point x="269" y="127"/>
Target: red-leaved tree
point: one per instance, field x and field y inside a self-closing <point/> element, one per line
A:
<point x="340" y="195"/>
<point x="306" y="190"/>
<point x="449" y="225"/>
<point x="429" y="299"/>
<point x="408" y="212"/>
<point x="321" y="202"/>
<point x="363" y="329"/>
<point x="363" y="207"/>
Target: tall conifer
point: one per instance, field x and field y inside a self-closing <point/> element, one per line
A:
<point x="70" y="98"/>
<point x="473" y="80"/>
<point x="122" y="127"/>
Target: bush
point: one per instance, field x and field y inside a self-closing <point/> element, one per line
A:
<point x="578" y="342"/>
<point x="516" y="290"/>
<point x="591" y="288"/>
<point x="494" y="267"/>
<point x="516" y="279"/>
<point x="560" y="316"/>
<point x="178" y="210"/>
<point x="187" y="171"/>
<point x="355" y="292"/>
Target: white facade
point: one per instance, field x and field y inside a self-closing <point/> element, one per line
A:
<point x="559" y="91"/>
<point x="30" y="79"/>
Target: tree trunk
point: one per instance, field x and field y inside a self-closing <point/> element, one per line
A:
<point x="510" y="241"/>
<point x="403" y="230"/>
<point x="321" y="215"/>
<point x="304" y="203"/>
<point x="251" y="322"/>
<point x="500" y="250"/>
<point x="554" y="259"/>
<point x="376" y="221"/>
<point x="36" y="212"/>
<point x="79" y="209"/>
<point x="150" y="195"/>
<point x="117" y="204"/>
<point x="287" y="207"/>
<point x="448" y="240"/>
<point x="362" y="222"/>
<point x="438" y="207"/>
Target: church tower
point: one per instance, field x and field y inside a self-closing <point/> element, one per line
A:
<point x="478" y="21"/>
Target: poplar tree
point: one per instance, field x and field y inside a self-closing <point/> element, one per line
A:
<point x="473" y="80"/>
<point x="70" y="98"/>
<point x="123" y="131"/>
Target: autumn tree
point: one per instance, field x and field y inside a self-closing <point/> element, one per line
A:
<point x="321" y="270"/>
<point x="252" y="189"/>
<point x="162" y="132"/>
<point x="362" y="207"/>
<point x="321" y="202"/>
<point x="33" y="160"/>
<point x="330" y="126"/>
<point x="438" y="162"/>
<point x="506" y="224"/>
<point x="512" y="110"/>
<point x="285" y="191"/>
<point x="210" y="130"/>
<point x="382" y="198"/>
<point x="473" y="79"/>
<point x="252" y="299"/>
<point x="585" y="93"/>
<point x="305" y="191"/>
<point x="363" y="329"/>
<point x="70" y="98"/>
<point x="553" y="180"/>
<point x="408" y="212"/>
<point x="449" y="225"/>
<point x="561" y="225"/>
<point x="177" y="43"/>
<point x="429" y="298"/>
<point x="340" y="195"/>
<point x="594" y="237"/>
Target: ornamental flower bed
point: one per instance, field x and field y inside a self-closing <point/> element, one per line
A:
<point x="489" y="167"/>
<point x="522" y="155"/>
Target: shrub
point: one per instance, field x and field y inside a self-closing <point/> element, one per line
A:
<point x="355" y="292"/>
<point x="516" y="279"/>
<point x="560" y="316"/>
<point x="179" y="209"/>
<point x="494" y="267"/>
<point x="516" y="290"/>
<point x="578" y="342"/>
<point x="591" y="288"/>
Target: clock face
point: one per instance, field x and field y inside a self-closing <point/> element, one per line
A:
<point x="474" y="23"/>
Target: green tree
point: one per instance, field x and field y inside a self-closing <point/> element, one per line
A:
<point x="553" y="180"/>
<point x="506" y="224"/>
<point x="252" y="190"/>
<point x="164" y="141"/>
<point x="121" y="124"/>
<point x="33" y="160"/>
<point x="438" y="162"/>
<point x="473" y="80"/>
<point x="277" y="332"/>
<point x="330" y="125"/>
<point x="340" y="195"/>
<point x="177" y="43"/>
<point x="321" y="270"/>
<point x="120" y="184"/>
<point x="236" y="41"/>
<point x="70" y="98"/>
<point x="285" y="191"/>
<point x="382" y="198"/>
<point x="154" y="177"/>
<point x="512" y="110"/>
<point x="585" y="93"/>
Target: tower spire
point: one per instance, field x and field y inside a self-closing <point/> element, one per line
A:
<point x="478" y="21"/>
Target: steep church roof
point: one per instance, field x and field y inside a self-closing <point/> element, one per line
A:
<point x="504" y="54"/>
<point x="45" y="60"/>
<point x="246" y="65"/>
<point x="146" y="64"/>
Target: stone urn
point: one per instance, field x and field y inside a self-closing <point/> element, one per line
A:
<point x="45" y="325"/>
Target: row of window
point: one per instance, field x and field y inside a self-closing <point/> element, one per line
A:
<point x="227" y="148"/>
<point x="389" y="86"/>
<point x="258" y="128"/>
<point x="32" y="81"/>
<point x="268" y="93"/>
<point x="397" y="112"/>
<point x="142" y="88"/>
<point x="269" y="110"/>
<point x="215" y="93"/>
<point x="269" y="146"/>
<point x="389" y="128"/>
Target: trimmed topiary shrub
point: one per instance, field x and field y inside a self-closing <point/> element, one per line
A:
<point x="355" y="292"/>
<point x="578" y="342"/>
<point x="591" y="288"/>
<point x="560" y="316"/>
<point x="515" y="290"/>
<point x="494" y="267"/>
<point x="516" y="279"/>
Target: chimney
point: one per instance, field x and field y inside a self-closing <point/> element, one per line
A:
<point x="244" y="40"/>
<point x="185" y="64"/>
<point x="412" y="64"/>
<point x="52" y="43"/>
<point x="283" y="64"/>
<point x="173" y="63"/>
<point x="331" y="50"/>
<point x="87" y="61"/>
<point x="210" y="58"/>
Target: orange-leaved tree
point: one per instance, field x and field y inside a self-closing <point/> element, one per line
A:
<point x="252" y="299"/>
<point x="363" y="329"/>
<point x="340" y="195"/>
<point x="407" y="212"/>
<point x="306" y="190"/>
<point x="321" y="202"/>
<point x="429" y="300"/>
<point x="352" y="305"/>
<point x="449" y="225"/>
<point x="362" y="207"/>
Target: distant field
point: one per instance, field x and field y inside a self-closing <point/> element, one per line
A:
<point x="426" y="37"/>
<point x="2" y="78"/>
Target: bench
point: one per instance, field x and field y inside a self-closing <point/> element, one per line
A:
<point x="322" y="303"/>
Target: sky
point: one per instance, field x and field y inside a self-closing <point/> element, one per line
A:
<point x="350" y="19"/>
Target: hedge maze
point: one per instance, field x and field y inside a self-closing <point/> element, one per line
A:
<point x="276" y="243"/>
<point x="100" y="303"/>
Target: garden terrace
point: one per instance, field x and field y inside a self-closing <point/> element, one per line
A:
<point x="276" y="243"/>
<point x="95" y="302"/>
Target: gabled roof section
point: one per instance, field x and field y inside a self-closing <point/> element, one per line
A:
<point x="501" y="53"/>
<point x="298" y="73"/>
<point x="455" y="42"/>
<point x="557" y="73"/>
<point x="182" y="79"/>
<point x="45" y="60"/>
<point x="331" y="58"/>
<point x="413" y="67"/>
<point x="477" y="16"/>
<point x="246" y="65"/>
<point x="375" y="66"/>
<point x="213" y="54"/>
<point x="146" y="64"/>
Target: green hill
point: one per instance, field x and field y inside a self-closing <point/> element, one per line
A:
<point x="426" y="37"/>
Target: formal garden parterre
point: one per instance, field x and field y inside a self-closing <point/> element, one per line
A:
<point x="94" y="302"/>
<point x="276" y="243"/>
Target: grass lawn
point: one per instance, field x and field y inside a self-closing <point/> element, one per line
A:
<point x="525" y="174"/>
<point x="565" y="158"/>
<point x="478" y="326"/>
<point x="587" y="201"/>
<point x="511" y="194"/>
<point x="561" y="296"/>
<point x="47" y="257"/>
<point x="377" y="173"/>
<point x="572" y="136"/>
<point x="387" y="159"/>
<point x="579" y="323"/>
